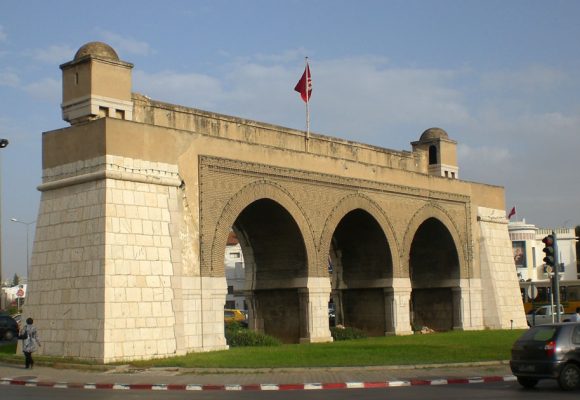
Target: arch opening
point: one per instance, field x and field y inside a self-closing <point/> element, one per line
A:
<point x="275" y="259"/>
<point x="361" y="266"/>
<point x="434" y="271"/>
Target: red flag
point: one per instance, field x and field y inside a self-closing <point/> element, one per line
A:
<point x="512" y="212"/>
<point x="304" y="85"/>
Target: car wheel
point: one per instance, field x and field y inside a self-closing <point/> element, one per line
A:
<point x="528" y="383"/>
<point x="569" y="378"/>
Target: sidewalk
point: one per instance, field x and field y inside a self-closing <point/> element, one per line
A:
<point x="124" y="377"/>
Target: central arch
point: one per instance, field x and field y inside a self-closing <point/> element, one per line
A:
<point x="357" y="240"/>
<point x="362" y="263"/>
<point x="278" y="249"/>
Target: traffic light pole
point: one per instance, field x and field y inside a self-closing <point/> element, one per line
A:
<point x="556" y="279"/>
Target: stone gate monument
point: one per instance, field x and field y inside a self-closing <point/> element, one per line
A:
<point x="139" y="197"/>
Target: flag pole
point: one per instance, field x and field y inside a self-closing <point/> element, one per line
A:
<point x="307" y="103"/>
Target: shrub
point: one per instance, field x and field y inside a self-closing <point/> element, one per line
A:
<point x="346" y="333"/>
<point x="238" y="336"/>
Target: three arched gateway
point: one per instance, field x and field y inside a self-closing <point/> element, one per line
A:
<point x="356" y="261"/>
<point x="128" y="258"/>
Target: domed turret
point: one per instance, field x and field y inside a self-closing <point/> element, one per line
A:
<point x="438" y="152"/>
<point x="434" y="133"/>
<point x="96" y="84"/>
<point x="98" y="50"/>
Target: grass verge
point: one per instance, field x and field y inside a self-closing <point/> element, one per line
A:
<point x="448" y="347"/>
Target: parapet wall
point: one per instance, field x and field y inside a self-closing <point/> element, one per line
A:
<point x="253" y="132"/>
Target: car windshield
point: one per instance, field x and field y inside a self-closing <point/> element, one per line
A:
<point x="540" y="333"/>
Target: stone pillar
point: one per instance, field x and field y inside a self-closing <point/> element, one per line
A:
<point x="213" y="298"/>
<point x="468" y="295"/>
<point x="397" y="307"/>
<point x="337" y="300"/>
<point x="304" y="315"/>
<point x="255" y="322"/>
<point x="313" y="301"/>
<point x="389" y="297"/>
<point x="458" y="308"/>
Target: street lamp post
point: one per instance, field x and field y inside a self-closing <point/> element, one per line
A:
<point x="3" y="143"/>
<point x="27" y="243"/>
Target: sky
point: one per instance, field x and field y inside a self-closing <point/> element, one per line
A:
<point x="501" y="77"/>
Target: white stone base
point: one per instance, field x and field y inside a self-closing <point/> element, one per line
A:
<point x="502" y="303"/>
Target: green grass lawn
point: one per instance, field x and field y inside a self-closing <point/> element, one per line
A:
<point x="449" y="347"/>
<point x="8" y="349"/>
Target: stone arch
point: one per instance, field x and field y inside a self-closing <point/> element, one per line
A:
<point x="342" y="208"/>
<point x="433" y="210"/>
<point x="260" y="189"/>
<point x="359" y="240"/>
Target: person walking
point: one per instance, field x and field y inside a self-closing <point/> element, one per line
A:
<point x="30" y="342"/>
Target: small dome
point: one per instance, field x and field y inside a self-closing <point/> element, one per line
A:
<point x="97" y="49"/>
<point x="434" y="133"/>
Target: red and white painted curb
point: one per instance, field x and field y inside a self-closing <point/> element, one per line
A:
<point x="255" y="387"/>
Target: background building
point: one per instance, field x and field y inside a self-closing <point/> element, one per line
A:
<point x="235" y="274"/>
<point x="528" y="255"/>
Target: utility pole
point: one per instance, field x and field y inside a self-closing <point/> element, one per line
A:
<point x="3" y="144"/>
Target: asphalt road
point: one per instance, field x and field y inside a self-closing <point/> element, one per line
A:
<point x="547" y="390"/>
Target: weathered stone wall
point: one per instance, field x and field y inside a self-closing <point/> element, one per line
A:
<point x="501" y="299"/>
<point x="67" y="275"/>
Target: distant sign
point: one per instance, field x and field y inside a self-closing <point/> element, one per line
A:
<point x="532" y="291"/>
<point x="20" y="293"/>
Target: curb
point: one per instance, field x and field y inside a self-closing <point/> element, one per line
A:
<point x="256" y="387"/>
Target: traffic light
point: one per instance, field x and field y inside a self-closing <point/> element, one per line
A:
<point x="549" y="250"/>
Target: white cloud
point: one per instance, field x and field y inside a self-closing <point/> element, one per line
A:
<point x="282" y="57"/>
<point x="491" y="155"/>
<point x="125" y="45"/>
<point x="191" y="90"/>
<point x="361" y="98"/>
<point x="528" y="79"/>
<point x="46" y="89"/>
<point x="55" y="54"/>
<point x="9" y="78"/>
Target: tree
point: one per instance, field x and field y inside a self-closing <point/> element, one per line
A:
<point x="16" y="280"/>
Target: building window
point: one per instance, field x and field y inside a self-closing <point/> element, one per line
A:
<point x="534" y="256"/>
<point x="432" y="155"/>
<point x="519" y="251"/>
<point x="230" y="290"/>
<point x="235" y="255"/>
